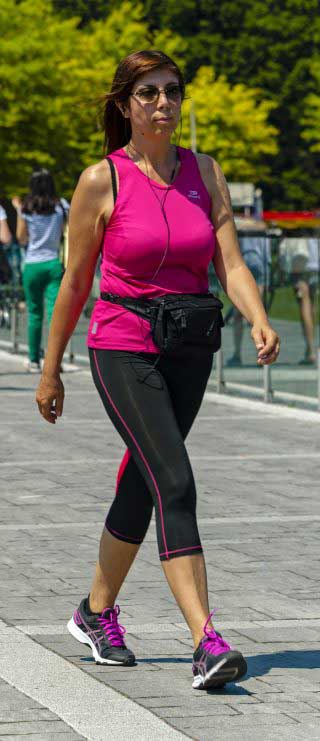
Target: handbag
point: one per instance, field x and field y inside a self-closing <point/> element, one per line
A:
<point x="179" y="322"/>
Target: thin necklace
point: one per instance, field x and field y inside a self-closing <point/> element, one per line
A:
<point x="145" y="161"/>
<point x="161" y="203"/>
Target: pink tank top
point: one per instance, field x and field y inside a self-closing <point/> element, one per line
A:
<point x="134" y="244"/>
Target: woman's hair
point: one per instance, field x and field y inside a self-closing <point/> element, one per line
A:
<point x="117" y="129"/>
<point x="42" y="198"/>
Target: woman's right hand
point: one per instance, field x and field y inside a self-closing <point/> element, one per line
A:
<point x="16" y="202"/>
<point x="49" y="397"/>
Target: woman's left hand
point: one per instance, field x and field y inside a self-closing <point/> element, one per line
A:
<point x="267" y="343"/>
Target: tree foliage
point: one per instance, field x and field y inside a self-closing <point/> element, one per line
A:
<point x="260" y="56"/>
<point x="85" y="10"/>
<point x="232" y="125"/>
<point x="52" y="74"/>
<point x="265" y="44"/>
<point x="311" y="117"/>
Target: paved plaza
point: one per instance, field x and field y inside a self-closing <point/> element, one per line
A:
<point x="257" y="473"/>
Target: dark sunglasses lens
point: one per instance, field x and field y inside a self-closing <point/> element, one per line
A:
<point x="148" y="94"/>
<point x="173" y="92"/>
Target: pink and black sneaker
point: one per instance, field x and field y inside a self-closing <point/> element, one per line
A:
<point x="215" y="662"/>
<point x="103" y="633"/>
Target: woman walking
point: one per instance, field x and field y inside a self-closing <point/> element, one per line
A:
<point x="40" y="223"/>
<point x="158" y="214"/>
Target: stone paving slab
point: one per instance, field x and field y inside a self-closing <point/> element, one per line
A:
<point x="21" y="717"/>
<point x="264" y="574"/>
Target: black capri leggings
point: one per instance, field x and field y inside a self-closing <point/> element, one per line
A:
<point x="153" y="410"/>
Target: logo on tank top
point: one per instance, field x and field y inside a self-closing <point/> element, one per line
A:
<point x="193" y="194"/>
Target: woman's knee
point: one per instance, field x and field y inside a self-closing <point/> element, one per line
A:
<point x="301" y="289"/>
<point x="130" y="514"/>
<point x="180" y="491"/>
<point x="35" y="314"/>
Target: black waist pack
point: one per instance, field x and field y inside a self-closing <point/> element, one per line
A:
<point x="179" y="321"/>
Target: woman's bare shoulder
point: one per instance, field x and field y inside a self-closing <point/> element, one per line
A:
<point x="96" y="179"/>
<point x="209" y="167"/>
<point x="214" y="179"/>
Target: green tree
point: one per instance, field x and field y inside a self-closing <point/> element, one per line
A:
<point x="85" y="10"/>
<point x="232" y="125"/>
<point x="37" y="87"/>
<point x="266" y="44"/>
<point x="311" y="118"/>
<point x="51" y="75"/>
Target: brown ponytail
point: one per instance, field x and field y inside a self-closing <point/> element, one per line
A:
<point x="117" y="128"/>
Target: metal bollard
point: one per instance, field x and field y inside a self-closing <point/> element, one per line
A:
<point x="267" y="387"/>
<point x="14" y="332"/>
<point x="318" y="371"/>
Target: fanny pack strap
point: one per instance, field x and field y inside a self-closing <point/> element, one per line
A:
<point x="146" y="308"/>
<point x="169" y="316"/>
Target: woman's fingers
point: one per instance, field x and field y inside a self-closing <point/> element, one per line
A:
<point x="268" y="360"/>
<point x="47" y="409"/>
<point x="59" y="405"/>
<point x="49" y="397"/>
<point x="271" y="339"/>
<point x="267" y="343"/>
<point x="47" y="412"/>
<point x="268" y="348"/>
<point x="271" y="357"/>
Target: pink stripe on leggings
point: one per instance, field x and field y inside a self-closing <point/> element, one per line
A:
<point x="121" y="534"/>
<point x="122" y="468"/>
<point x="140" y="452"/>
<point x="189" y="548"/>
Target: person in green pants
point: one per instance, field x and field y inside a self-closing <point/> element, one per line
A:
<point x="40" y="222"/>
<point x="41" y="280"/>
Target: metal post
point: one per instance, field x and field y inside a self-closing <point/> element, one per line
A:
<point x="267" y="388"/>
<point x="267" y="383"/>
<point x="14" y="327"/>
<point x="318" y="369"/>
<point x="219" y="371"/>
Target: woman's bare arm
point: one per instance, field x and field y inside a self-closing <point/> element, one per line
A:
<point x="91" y="207"/>
<point x="234" y="276"/>
<point x="5" y="233"/>
<point x="22" y="229"/>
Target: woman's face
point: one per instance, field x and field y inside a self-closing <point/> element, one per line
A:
<point x="152" y="114"/>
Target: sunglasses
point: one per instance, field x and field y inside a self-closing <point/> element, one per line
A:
<point x="150" y="93"/>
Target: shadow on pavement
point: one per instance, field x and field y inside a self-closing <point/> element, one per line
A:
<point x="262" y="663"/>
